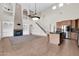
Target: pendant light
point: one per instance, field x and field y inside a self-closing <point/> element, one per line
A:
<point x="35" y="16"/>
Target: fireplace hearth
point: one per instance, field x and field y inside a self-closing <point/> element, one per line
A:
<point x="18" y="32"/>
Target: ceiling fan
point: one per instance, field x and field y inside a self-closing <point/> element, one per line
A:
<point x="32" y="14"/>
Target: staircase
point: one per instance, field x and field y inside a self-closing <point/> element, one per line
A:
<point x="41" y="28"/>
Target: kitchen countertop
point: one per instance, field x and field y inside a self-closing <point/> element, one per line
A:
<point x="55" y="32"/>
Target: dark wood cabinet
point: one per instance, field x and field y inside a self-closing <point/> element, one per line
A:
<point x="76" y="24"/>
<point x="61" y="38"/>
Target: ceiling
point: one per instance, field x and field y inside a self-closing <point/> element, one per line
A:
<point x="40" y="6"/>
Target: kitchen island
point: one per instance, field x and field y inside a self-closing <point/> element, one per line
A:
<point x="56" y="38"/>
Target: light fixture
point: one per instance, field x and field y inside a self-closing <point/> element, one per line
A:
<point x="54" y="7"/>
<point x="35" y="17"/>
<point x="61" y="5"/>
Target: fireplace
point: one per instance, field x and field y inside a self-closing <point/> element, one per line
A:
<point x="18" y="32"/>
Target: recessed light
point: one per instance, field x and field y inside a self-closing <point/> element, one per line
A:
<point x="54" y="7"/>
<point x="61" y="5"/>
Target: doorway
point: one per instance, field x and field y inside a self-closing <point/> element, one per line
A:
<point x="66" y="30"/>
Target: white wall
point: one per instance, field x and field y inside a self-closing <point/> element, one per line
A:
<point x="50" y="17"/>
<point x="0" y="29"/>
<point x="26" y="24"/>
<point x="35" y="29"/>
<point x="0" y="23"/>
<point x="6" y="23"/>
